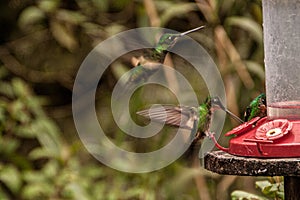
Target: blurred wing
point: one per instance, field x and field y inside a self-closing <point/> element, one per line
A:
<point x="180" y="116"/>
<point x="137" y="76"/>
<point x="142" y="72"/>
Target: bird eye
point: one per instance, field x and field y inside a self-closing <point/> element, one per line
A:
<point x="172" y="37"/>
<point x="215" y="100"/>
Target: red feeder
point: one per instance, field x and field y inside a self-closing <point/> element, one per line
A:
<point x="277" y="135"/>
<point x="265" y="138"/>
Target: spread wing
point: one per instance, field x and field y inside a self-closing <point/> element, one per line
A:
<point x="179" y="116"/>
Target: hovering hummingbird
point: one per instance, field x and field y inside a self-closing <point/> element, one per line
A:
<point x="257" y="108"/>
<point x="193" y="118"/>
<point x="148" y="64"/>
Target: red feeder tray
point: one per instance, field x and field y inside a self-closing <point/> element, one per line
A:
<point x="262" y="137"/>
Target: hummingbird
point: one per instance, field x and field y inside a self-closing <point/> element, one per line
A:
<point x="197" y="119"/>
<point x="149" y="63"/>
<point x="257" y="108"/>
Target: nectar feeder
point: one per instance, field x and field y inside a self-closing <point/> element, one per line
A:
<point x="270" y="146"/>
<point x="278" y="134"/>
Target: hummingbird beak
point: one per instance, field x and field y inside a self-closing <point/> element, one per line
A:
<point x="189" y="31"/>
<point x="234" y="116"/>
<point x="218" y="104"/>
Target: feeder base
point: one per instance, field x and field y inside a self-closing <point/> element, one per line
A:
<point x="224" y="163"/>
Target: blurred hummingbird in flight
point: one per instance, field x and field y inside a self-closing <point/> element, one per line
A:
<point x="257" y="108"/>
<point x="196" y="119"/>
<point x="149" y="63"/>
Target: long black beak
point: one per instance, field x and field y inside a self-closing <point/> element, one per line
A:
<point x="192" y="30"/>
<point x="217" y="102"/>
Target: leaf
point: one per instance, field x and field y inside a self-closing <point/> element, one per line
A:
<point x="76" y="191"/>
<point x="63" y="35"/>
<point x="8" y="145"/>
<point x="119" y="69"/>
<point x="11" y="177"/>
<point x="34" y="105"/>
<point x="3" y="72"/>
<point x="263" y="185"/>
<point x="3" y="195"/>
<point x="247" y="24"/>
<point x="29" y="16"/>
<point x="20" y="88"/>
<point x="34" y="177"/>
<point x="18" y="112"/>
<point x="48" y="5"/>
<point x="73" y="17"/>
<point x="92" y="28"/>
<point x="280" y="195"/>
<point x="26" y="131"/>
<point x="2" y="111"/>
<point x="242" y="195"/>
<point x="39" y="128"/>
<point x="176" y="10"/>
<point x="255" y="68"/>
<point x="133" y="193"/>
<point x="48" y="135"/>
<point x="41" y="190"/>
<point x="270" y="189"/>
<point x="39" y="153"/>
<point x="93" y="172"/>
<point x="51" y="169"/>
<point x="113" y="29"/>
<point x="98" y="190"/>
<point x="101" y="5"/>
<point x="120" y="4"/>
<point x="6" y="89"/>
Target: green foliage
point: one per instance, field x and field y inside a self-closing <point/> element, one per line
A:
<point x="269" y="189"/>
<point x="36" y="162"/>
<point x="242" y="195"/>
<point x="273" y="190"/>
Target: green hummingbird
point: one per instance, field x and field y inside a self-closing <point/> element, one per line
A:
<point x="196" y="119"/>
<point x="257" y="108"/>
<point x="149" y="63"/>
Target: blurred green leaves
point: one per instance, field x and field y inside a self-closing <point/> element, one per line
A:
<point x="11" y="177"/>
<point x="273" y="190"/>
<point x="48" y="5"/>
<point x="63" y="35"/>
<point x="242" y="195"/>
<point x="247" y="24"/>
<point x="35" y="161"/>
<point x="31" y="16"/>
<point x="176" y="10"/>
<point x="270" y="189"/>
<point x="22" y="118"/>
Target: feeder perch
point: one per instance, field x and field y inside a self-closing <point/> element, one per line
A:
<point x="270" y="146"/>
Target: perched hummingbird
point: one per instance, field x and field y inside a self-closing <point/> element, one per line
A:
<point x="148" y="64"/>
<point x="192" y="118"/>
<point x="257" y="108"/>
